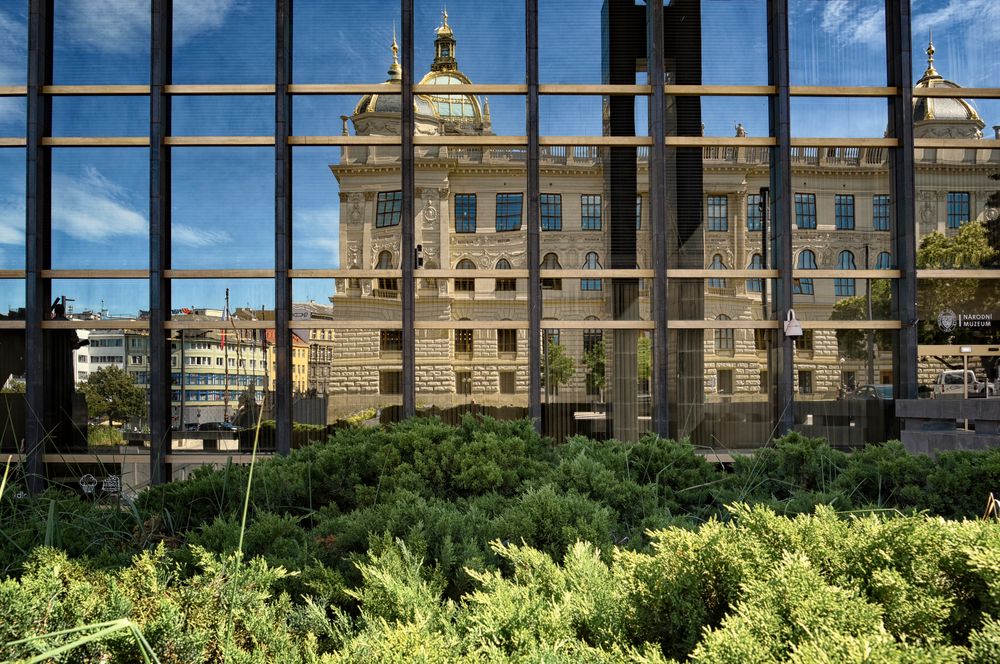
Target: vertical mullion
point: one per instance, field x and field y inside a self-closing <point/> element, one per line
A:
<point x="38" y="229"/>
<point x="532" y="220"/>
<point x="901" y="165"/>
<point x="781" y="360"/>
<point x="408" y="290"/>
<point x="282" y="227"/>
<point x="159" y="240"/>
<point x="657" y="217"/>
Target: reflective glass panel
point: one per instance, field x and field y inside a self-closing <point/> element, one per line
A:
<point x="13" y="116"/>
<point x="837" y="42"/>
<point x="334" y="41"/>
<point x="106" y="43"/>
<point x="223" y="42"/>
<point x="470" y="41"/>
<point x="229" y="115"/>
<point x="100" y="116"/>
<point x="14" y="43"/>
<point x="217" y="300"/>
<point x="12" y="192"/>
<point x="102" y="299"/>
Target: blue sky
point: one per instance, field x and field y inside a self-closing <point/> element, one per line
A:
<point x="222" y="206"/>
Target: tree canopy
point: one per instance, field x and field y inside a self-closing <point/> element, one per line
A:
<point x="111" y="392"/>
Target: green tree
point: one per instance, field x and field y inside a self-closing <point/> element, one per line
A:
<point x="111" y="392"/>
<point x="644" y="353"/>
<point x="559" y="366"/>
<point x="595" y="361"/>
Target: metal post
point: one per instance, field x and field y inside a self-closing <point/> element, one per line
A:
<point x="533" y="220"/>
<point x="781" y="359"/>
<point x="159" y="244"/>
<point x="901" y="169"/>
<point x="657" y="222"/>
<point x="406" y="247"/>
<point x="869" y="333"/>
<point x="282" y="229"/>
<point x="37" y="234"/>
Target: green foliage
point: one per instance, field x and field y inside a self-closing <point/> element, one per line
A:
<point x="558" y="368"/>
<point x="111" y="392"/>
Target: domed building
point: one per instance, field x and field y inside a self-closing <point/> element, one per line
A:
<point x="943" y="117"/>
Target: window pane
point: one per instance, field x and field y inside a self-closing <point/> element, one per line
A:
<point x="482" y="41"/>
<point x="222" y="208"/>
<point x="334" y="42"/>
<point x="223" y="42"/>
<point x="563" y="115"/>
<point x="14" y="43"/>
<point x="724" y="117"/>
<point x="13" y="389"/>
<point x="106" y="45"/>
<point x="234" y="115"/>
<point x="90" y="299"/>
<point x="332" y="115"/>
<point x="100" y="116"/>
<point x="206" y="299"/>
<point x="844" y="117"/>
<point x="100" y="208"/>
<point x="13" y="117"/>
<point x="835" y="42"/>
<point x="12" y="198"/>
<point x="11" y="299"/>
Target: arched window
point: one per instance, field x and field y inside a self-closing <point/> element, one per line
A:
<point x="724" y="337"/>
<point x="385" y="263"/>
<point x="551" y="262"/>
<point x="591" y="263"/>
<point x="755" y="285"/>
<point x="465" y="284"/>
<point x="505" y="284"/>
<point x="884" y="261"/>
<point x="844" y="287"/>
<point x="717" y="264"/>
<point x="807" y="261"/>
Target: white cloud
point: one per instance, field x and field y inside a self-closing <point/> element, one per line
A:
<point x="981" y="16"/>
<point x="12" y="220"/>
<point x="854" y="24"/>
<point x="321" y="227"/>
<point x="122" y="26"/>
<point x="13" y="48"/>
<point x="189" y="236"/>
<point x="94" y="209"/>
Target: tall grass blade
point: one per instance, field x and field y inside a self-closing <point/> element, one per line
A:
<point x="50" y="524"/>
<point x="104" y="629"/>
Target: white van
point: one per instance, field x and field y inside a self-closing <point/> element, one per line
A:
<point x="949" y="385"/>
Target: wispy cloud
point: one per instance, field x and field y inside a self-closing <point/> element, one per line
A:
<point x="122" y="26"/>
<point x="189" y="236"/>
<point x="321" y="226"/>
<point x="853" y="22"/>
<point x="11" y="220"/>
<point x="92" y="208"/>
<point x="13" y="47"/>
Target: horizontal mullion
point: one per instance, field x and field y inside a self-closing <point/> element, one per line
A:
<point x="715" y="324"/>
<point x="13" y="142"/>
<point x="344" y="140"/>
<point x="620" y="141"/>
<point x="845" y="142"/>
<point x="598" y="325"/>
<point x="218" y="324"/>
<point x="571" y="89"/>
<point x="12" y="274"/>
<point x="324" y="324"/>
<point x="958" y="93"/>
<point x="471" y="274"/>
<point x="252" y="89"/>
<point x="343" y="88"/>
<point x="955" y="349"/>
<point x="846" y="274"/>
<point x="841" y="91"/>
<point x="958" y="274"/>
<point x="95" y="324"/>
<point x="95" y="274"/>
<point x="12" y="324"/>
<point x="718" y="90"/>
<point x="345" y="274"/>
<point x="945" y="143"/>
<point x="218" y="140"/>
<point x="13" y="90"/>
<point x="96" y="90"/>
<point x="470" y="140"/>
<point x="596" y="274"/>
<point x="96" y="141"/>
<point x="850" y="324"/>
<point x="710" y="141"/>
<point x="469" y="88"/>
<point x="715" y="274"/>
<point x="219" y="274"/>
<point x="471" y="325"/>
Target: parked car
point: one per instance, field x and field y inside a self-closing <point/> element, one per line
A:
<point x="218" y="426"/>
<point x="949" y="385"/>
<point x="882" y="392"/>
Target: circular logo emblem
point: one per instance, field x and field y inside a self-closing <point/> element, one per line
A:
<point x="947" y="320"/>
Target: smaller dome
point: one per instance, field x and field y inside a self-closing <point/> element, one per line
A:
<point x="942" y="117"/>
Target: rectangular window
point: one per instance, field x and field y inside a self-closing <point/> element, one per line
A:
<point x="505" y="285"/>
<point x="805" y="342"/>
<point x="718" y="213"/>
<point x="760" y="339"/>
<point x="507" y="341"/>
<point x="508" y="382"/>
<point x="463" y="341"/>
<point x="390" y="382"/>
<point x="391" y="341"/>
<point x="805" y="210"/>
<point x="463" y="382"/>
<point x="551" y="205"/>
<point x="725" y="381"/>
<point x="465" y="213"/>
<point x="805" y="382"/>
<point x="844" y="287"/>
<point x="638" y="212"/>
<point x="755" y="216"/>
<point x="590" y="212"/>
<point x="958" y="209"/>
<point x="844" y="211"/>
<point x="390" y="209"/>
<point x="509" y="211"/>
<point x="880" y="212"/>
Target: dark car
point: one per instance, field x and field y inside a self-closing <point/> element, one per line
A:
<point x="218" y="426"/>
<point x="879" y="392"/>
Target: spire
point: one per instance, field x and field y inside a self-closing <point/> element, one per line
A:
<point x="395" y="71"/>
<point x="931" y="72"/>
<point x="444" y="46"/>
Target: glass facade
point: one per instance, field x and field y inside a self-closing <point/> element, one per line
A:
<point x="423" y="213"/>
